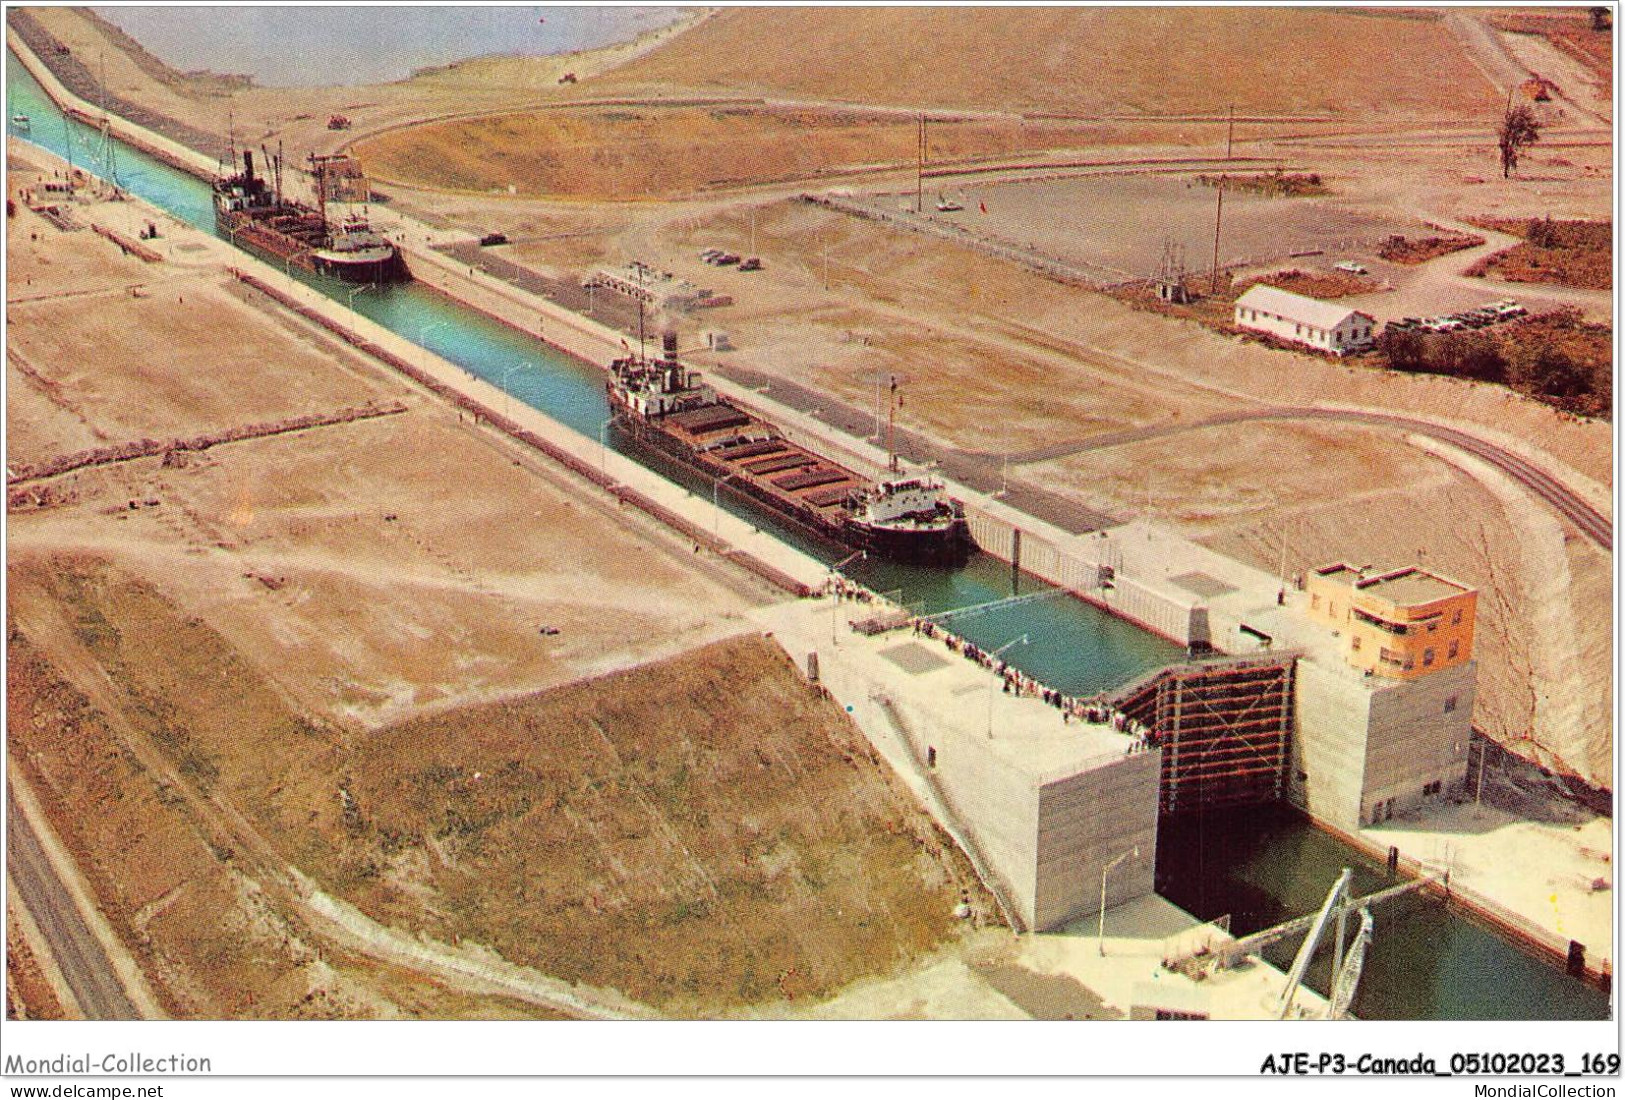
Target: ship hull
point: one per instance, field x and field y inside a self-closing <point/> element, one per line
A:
<point x="949" y="545"/>
<point x="256" y="236"/>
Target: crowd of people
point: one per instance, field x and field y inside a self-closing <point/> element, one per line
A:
<point x="1096" y="710"/>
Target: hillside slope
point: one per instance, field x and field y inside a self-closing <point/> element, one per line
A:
<point x="1111" y="60"/>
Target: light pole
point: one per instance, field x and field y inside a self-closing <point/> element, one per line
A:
<point x="1100" y="936"/>
<point x="352" y="292"/>
<point x="834" y="596"/>
<point x="507" y="396"/>
<point x="1022" y="640"/>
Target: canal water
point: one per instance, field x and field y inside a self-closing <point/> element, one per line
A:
<point x="1259" y="867"/>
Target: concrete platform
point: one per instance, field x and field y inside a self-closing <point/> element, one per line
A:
<point x="1043" y="804"/>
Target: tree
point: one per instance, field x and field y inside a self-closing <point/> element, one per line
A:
<point x="1519" y="130"/>
<point x="1600" y="19"/>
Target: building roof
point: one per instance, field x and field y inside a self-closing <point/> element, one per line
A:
<point x="1296" y="307"/>
<point x="1409" y="587"/>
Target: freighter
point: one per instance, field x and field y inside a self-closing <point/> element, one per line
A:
<point x="254" y="213"/>
<point x="905" y="517"/>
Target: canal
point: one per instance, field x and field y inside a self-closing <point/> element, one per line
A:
<point x="1258" y="867"/>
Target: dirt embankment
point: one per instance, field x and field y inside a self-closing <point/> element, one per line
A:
<point x="638" y="152"/>
<point x="1142" y="61"/>
<point x="29" y="995"/>
<point x="701" y="834"/>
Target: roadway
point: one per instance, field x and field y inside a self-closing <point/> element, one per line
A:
<point x="85" y="966"/>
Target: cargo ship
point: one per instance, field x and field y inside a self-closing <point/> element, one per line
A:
<point x="255" y="213"/>
<point x="903" y="517"/>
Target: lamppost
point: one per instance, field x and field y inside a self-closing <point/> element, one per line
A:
<point x="507" y="396"/>
<point x="834" y="597"/>
<point x="352" y="292"/>
<point x="1100" y="936"/>
<point x="1022" y="640"/>
<point x="603" y="447"/>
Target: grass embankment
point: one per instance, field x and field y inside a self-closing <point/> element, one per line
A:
<point x="639" y="152"/>
<point x="1410" y="251"/>
<point x="702" y="834"/>
<point x="1567" y="253"/>
<point x="1276" y="184"/>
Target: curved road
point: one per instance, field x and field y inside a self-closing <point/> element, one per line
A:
<point x="1591" y="523"/>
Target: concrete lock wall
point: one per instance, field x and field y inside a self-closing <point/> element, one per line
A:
<point x="1084" y="822"/>
<point x="1364" y="740"/>
<point x="1077" y="570"/>
<point x="999" y="807"/>
<point x="1332" y="712"/>
<point x="1413" y="740"/>
<point x="1156" y="611"/>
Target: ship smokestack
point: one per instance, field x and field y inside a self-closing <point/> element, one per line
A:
<point x="668" y="346"/>
<point x="248" y="166"/>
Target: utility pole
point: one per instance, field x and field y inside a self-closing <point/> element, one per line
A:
<point x="1218" y="221"/>
<point x="919" y="166"/>
<point x="1230" y="137"/>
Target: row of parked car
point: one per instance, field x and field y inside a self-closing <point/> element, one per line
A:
<point x="720" y="258"/>
<point x="1483" y="316"/>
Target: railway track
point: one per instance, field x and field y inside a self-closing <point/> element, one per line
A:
<point x="1589" y="521"/>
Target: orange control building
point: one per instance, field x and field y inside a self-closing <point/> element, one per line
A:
<point x="1401" y="624"/>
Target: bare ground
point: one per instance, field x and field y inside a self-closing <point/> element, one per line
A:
<point x="29" y="995"/>
<point x="1092" y="61"/>
<point x="202" y="649"/>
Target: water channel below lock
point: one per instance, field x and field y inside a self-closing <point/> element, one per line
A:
<point x="1258" y="866"/>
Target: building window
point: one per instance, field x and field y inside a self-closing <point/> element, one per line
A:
<point x="1455" y="648"/>
<point x="1427" y="656"/>
<point x="1455" y="620"/>
<point x="1354" y="642"/>
<point x="1450" y="704"/>
<point x="1297" y="330"/>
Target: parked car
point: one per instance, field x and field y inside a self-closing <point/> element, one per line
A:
<point x="751" y="263"/>
<point x="493" y="238"/>
<point x="1351" y="267"/>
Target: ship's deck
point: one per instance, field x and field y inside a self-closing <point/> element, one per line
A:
<point x="754" y="452"/>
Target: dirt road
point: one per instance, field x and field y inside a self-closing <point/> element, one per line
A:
<point x="90" y="974"/>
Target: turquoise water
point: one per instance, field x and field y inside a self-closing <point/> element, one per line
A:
<point x="1264" y="866"/>
<point x="1259" y="866"/>
<point x="1073" y="647"/>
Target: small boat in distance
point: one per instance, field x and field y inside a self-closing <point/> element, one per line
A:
<point x="22" y="123"/>
<point x="948" y="205"/>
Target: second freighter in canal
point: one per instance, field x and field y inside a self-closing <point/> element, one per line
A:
<point x="906" y="517"/>
<point x="255" y="213"/>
